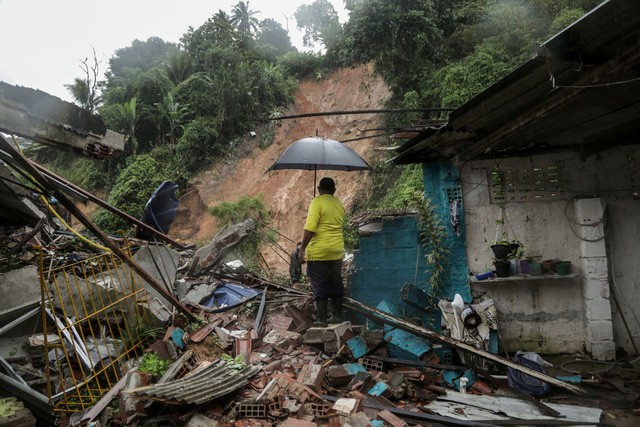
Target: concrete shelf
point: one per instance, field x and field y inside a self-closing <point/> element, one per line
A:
<point x="523" y="278"/>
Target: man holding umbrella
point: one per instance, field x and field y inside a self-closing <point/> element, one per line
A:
<point x="323" y="249"/>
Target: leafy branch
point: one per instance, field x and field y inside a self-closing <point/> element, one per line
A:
<point x="432" y="236"/>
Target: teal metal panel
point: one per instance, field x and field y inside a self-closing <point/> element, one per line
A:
<point x="378" y="389"/>
<point x="354" y="368"/>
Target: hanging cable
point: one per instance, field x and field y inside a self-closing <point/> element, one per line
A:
<point x="57" y="215"/>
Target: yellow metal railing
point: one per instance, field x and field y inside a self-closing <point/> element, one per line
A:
<point x="96" y="320"/>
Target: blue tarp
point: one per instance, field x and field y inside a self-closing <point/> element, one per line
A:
<point x="160" y="210"/>
<point x="227" y="296"/>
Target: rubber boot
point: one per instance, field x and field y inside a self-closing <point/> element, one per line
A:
<point x="336" y="310"/>
<point x="321" y="311"/>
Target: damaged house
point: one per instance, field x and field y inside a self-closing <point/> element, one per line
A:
<point x="125" y="333"/>
<point x="546" y="160"/>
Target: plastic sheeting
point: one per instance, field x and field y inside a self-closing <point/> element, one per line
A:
<point x="227" y="296"/>
<point x="160" y="210"/>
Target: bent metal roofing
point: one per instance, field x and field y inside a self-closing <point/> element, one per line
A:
<point x="202" y="385"/>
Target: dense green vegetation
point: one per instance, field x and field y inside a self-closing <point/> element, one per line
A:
<point x="182" y="106"/>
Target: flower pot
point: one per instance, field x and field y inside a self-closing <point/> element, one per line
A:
<point x="563" y="267"/>
<point x="501" y="251"/>
<point x="502" y="267"/>
<point x="535" y="268"/>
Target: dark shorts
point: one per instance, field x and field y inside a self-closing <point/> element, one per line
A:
<point x="326" y="279"/>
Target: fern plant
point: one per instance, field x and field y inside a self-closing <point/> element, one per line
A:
<point x="432" y="235"/>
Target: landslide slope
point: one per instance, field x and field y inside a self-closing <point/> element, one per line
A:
<point x="287" y="193"/>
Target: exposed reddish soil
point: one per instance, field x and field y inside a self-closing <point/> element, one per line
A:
<point x="287" y="193"/>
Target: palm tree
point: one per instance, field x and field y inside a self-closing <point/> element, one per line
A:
<point x="242" y="18"/>
<point x="178" y="66"/>
<point x="223" y="26"/>
<point x="172" y="113"/>
<point x="129" y="115"/>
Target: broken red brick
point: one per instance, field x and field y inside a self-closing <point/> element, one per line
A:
<point x="293" y="422"/>
<point x="391" y="419"/>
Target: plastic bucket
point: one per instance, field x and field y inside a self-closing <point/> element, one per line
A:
<point x="535" y="268"/>
<point x="563" y="267"/>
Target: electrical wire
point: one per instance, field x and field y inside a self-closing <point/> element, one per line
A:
<point x="608" y="366"/>
<point x="590" y="224"/>
<point x="57" y="215"/>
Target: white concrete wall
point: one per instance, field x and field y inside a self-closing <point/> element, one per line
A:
<point x="551" y="316"/>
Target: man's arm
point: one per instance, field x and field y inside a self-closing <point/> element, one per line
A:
<point x="306" y="238"/>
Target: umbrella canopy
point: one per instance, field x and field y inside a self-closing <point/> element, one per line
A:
<point x="318" y="153"/>
<point x="315" y="153"/>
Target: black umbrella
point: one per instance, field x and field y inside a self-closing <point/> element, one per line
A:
<point x="318" y="153"/>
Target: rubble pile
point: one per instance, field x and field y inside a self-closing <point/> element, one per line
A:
<point x="235" y="349"/>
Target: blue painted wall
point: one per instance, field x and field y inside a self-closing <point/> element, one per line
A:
<point x="441" y="185"/>
<point x="386" y="261"/>
<point x="390" y="258"/>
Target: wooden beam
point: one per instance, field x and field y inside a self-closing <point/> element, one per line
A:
<point x="109" y="207"/>
<point x="73" y="210"/>
<point x="450" y="342"/>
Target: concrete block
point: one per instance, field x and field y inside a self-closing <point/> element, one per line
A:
<point x="600" y="330"/>
<point x="594" y="268"/>
<point x="592" y="249"/>
<point x="594" y="289"/>
<point x="280" y="338"/>
<point x="589" y="211"/>
<point x="346" y="406"/>
<point x="200" y="420"/>
<point x="311" y="376"/>
<point x="603" y="350"/>
<point x="599" y="309"/>
<point x="20" y="288"/>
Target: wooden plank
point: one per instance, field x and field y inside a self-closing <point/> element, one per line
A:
<point x="450" y="342"/>
<point x="109" y="207"/>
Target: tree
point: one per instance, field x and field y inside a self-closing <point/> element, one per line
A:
<point x="242" y="18"/>
<point x="172" y="114"/>
<point x="85" y="90"/>
<point x="320" y="23"/>
<point x="216" y="31"/>
<point x="402" y="37"/>
<point x="272" y="34"/>
<point x="178" y="66"/>
<point x="130" y="117"/>
<point x="138" y="58"/>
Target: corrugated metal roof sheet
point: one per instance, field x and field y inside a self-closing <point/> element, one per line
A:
<point x="579" y="92"/>
<point x="202" y="385"/>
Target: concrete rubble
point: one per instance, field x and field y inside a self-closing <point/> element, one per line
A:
<point x="224" y="346"/>
<point x="256" y="360"/>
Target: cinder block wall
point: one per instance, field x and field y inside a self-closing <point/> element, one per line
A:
<point x="386" y="261"/>
<point x="569" y="315"/>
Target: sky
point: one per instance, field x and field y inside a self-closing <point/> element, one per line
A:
<point x="43" y="41"/>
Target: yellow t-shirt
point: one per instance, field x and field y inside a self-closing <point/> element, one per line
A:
<point x="325" y="218"/>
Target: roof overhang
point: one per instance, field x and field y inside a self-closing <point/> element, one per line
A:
<point x="580" y="91"/>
